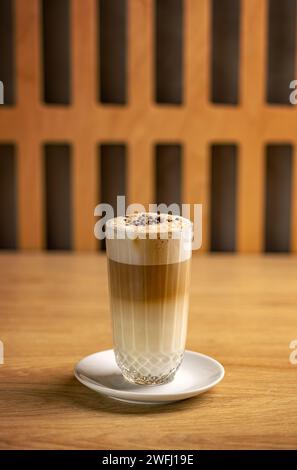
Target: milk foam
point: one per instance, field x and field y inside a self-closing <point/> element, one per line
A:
<point x="148" y="238"/>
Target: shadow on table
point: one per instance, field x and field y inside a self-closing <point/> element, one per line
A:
<point x="81" y="396"/>
<point x="92" y="400"/>
<point x="69" y="393"/>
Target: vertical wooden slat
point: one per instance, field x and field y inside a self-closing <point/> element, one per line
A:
<point x="112" y="169"/>
<point x="140" y="48"/>
<point x="85" y="186"/>
<point x="250" y="209"/>
<point x="140" y="161"/>
<point x="197" y="50"/>
<point x="168" y="173"/>
<point x="251" y="160"/>
<point x="294" y="201"/>
<point x="196" y="182"/>
<point x="84" y="94"/>
<point x="84" y="67"/>
<point x="28" y="54"/>
<point x="140" y="172"/>
<point x="195" y="157"/>
<point x="28" y="94"/>
<point x="253" y="55"/>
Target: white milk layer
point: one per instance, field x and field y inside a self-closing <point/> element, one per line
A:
<point x="139" y="241"/>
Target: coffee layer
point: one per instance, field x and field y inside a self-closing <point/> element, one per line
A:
<point x="148" y="283"/>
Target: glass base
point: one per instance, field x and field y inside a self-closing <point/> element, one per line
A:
<point x="149" y="369"/>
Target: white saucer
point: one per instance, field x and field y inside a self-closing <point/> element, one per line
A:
<point x="197" y="374"/>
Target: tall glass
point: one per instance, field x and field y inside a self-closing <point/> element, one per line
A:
<point x="149" y="259"/>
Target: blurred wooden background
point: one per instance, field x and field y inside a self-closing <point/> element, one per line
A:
<point x="163" y="101"/>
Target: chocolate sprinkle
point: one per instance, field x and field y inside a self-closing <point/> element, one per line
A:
<point x="146" y="219"/>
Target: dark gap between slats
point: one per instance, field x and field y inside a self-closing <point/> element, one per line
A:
<point x="58" y="196"/>
<point x="281" y="50"/>
<point x="8" y="197"/>
<point x="112" y="47"/>
<point x="56" y="52"/>
<point x="225" y="29"/>
<point x="168" y="177"/>
<point x="278" y="198"/>
<point x="169" y="51"/>
<point x="223" y="197"/>
<point x="7" y="50"/>
<point x="112" y="164"/>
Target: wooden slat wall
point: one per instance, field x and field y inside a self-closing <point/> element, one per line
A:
<point x="251" y="168"/>
<point x="25" y="124"/>
<point x="141" y="123"/>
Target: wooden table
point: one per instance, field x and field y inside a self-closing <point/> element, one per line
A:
<point x="54" y="311"/>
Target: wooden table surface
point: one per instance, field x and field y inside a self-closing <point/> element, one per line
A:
<point x="54" y="311"/>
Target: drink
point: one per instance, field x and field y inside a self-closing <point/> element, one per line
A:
<point x="149" y="273"/>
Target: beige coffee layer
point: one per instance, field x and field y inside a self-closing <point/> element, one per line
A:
<point x="143" y="283"/>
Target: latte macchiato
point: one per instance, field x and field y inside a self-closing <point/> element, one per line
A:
<point x="149" y="273"/>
